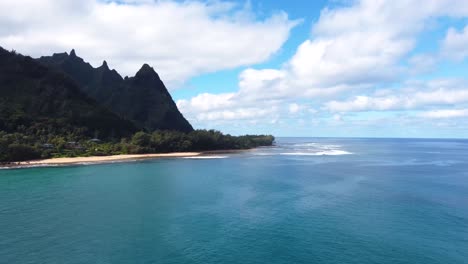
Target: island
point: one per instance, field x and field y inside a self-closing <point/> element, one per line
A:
<point x="60" y="106"/>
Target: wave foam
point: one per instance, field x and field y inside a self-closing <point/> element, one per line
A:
<point x="319" y="153"/>
<point x="318" y="145"/>
<point x="206" y="157"/>
<point x="27" y="166"/>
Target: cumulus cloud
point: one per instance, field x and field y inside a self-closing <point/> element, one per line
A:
<point x="353" y="48"/>
<point x="446" y="113"/>
<point x="455" y="44"/>
<point x="361" y="45"/>
<point x="209" y="102"/>
<point x="180" y="39"/>
<point x="236" y="114"/>
<point x="402" y="99"/>
<point x="226" y="107"/>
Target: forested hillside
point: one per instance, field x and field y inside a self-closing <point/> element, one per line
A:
<point x="46" y="113"/>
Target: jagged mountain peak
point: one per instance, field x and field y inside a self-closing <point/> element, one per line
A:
<point x="143" y="99"/>
<point x="146" y="66"/>
<point x="146" y="70"/>
<point x="104" y="65"/>
<point x="61" y="55"/>
<point x="50" y="101"/>
<point x="73" y="53"/>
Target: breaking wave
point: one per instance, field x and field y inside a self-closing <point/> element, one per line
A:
<point x="304" y="149"/>
<point x="319" y="153"/>
<point x="206" y="157"/>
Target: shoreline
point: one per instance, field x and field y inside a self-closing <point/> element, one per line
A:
<point x="92" y="160"/>
<point x="95" y="159"/>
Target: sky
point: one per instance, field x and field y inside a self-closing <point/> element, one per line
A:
<point x="336" y="68"/>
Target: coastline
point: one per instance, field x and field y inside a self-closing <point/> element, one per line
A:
<point x="95" y="159"/>
<point x="56" y="162"/>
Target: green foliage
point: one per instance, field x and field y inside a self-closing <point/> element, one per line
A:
<point x="199" y="140"/>
<point x="24" y="146"/>
<point x="20" y="152"/>
<point x="45" y="113"/>
<point x="141" y="139"/>
<point x="39" y="101"/>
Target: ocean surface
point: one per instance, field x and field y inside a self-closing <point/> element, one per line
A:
<point x="306" y="200"/>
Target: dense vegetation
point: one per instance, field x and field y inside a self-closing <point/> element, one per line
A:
<point x="18" y="146"/>
<point x="38" y="101"/>
<point x="143" y="99"/>
<point x="44" y="113"/>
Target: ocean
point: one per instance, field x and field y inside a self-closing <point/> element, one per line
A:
<point x="305" y="200"/>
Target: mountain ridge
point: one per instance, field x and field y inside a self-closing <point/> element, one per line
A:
<point x="36" y="97"/>
<point x="45" y="112"/>
<point x="143" y="98"/>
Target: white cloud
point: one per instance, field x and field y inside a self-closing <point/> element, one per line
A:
<point x="366" y="42"/>
<point x="337" y="118"/>
<point x="363" y="43"/>
<point x="294" y="108"/>
<point x="208" y="102"/>
<point x="400" y="100"/>
<point x="236" y="114"/>
<point x="446" y="113"/>
<point x="252" y="80"/>
<point x="180" y="39"/>
<point x="353" y="47"/>
<point x="455" y="44"/>
<point x="346" y="60"/>
<point x="363" y="103"/>
<point x="353" y="50"/>
<point x="226" y="106"/>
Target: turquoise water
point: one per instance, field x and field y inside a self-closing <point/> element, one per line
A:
<point x="305" y="201"/>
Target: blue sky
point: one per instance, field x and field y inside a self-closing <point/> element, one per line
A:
<point x="305" y="11"/>
<point x="360" y="68"/>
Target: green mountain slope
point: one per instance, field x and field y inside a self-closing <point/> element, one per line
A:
<point x="39" y="101"/>
<point x="46" y="113"/>
<point x="143" y="99"/>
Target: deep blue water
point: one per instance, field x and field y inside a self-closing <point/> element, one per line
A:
<point x="305" y="201"/>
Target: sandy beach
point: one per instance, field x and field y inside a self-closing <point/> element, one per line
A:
<point x="101" y="159"/>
